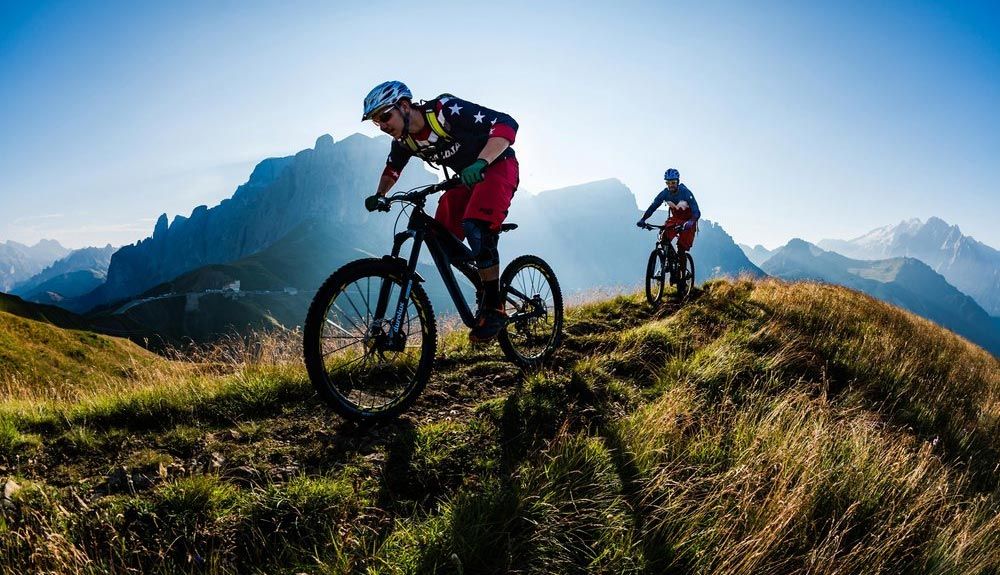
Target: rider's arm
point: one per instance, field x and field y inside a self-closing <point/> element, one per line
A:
<point x="657" y="202"/>
<point x="385" y="183"/>
<point x="693" y="204"/>
<point x="473" y="118"/>
<point x="394" y="164"/>
<point x="493" y="148"/>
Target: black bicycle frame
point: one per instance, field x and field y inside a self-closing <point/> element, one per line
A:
<point x="448" y="252"/>
<point x="670" y="254"/>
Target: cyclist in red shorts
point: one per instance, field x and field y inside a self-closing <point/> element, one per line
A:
<point x="476" y="143"/>
<point x="684" y="211"/>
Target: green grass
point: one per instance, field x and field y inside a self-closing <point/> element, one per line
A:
<point x="764" y="427"/>
<point x="40" y="361"/>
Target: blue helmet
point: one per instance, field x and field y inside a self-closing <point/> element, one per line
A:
<point x="672" y="174"/>
<point x="385" y="94"/>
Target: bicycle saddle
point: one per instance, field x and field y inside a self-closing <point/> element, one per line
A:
<point x="507" y="227"/>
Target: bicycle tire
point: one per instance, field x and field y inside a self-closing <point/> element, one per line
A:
<point x="516" y="341"/>
<point x="685" y="285"/>
<point x="337" y="388"/>
<point x="655" y="282"/>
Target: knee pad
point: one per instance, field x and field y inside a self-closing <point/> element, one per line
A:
<point x="483" y="241"/>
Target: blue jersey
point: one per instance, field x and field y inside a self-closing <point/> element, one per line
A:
<point x="679" y="201"/>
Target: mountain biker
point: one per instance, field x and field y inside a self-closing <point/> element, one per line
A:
<point x="684" y="212"/>
<point x="471" y="140"/>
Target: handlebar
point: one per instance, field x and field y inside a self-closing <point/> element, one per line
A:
<point x="420" y="193"/>
<point x="677" y="227"/>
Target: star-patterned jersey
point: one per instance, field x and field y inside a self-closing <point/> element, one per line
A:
<point x="682" y="200"/>
<point x="468" y="127"/>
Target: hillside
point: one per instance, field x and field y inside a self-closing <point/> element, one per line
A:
<point x="46" y="355"/>
<point x="276" y="286"/>
<point x="38" y="312"/>
<point x="905" y="282"/>
<point x="763" y="428"/>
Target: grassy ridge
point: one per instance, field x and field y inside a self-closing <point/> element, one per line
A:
<point x="763" y="428"/>
<point x="39" y="360"/>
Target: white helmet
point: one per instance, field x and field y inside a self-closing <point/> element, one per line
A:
<point x="385" y="94"/>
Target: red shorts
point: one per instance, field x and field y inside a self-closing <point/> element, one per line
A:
<point x="686" y="239"/>
<point x="488" y="200"/>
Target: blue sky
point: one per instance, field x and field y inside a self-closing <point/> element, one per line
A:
<point x="785" y="118"/>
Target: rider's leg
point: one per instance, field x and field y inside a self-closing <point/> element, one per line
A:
<point x="685" y="241"/>
<point x="483" y="241"/>
<point x="485" y="211"/>
<point x="451" y="209"/>
<point x="671" y="233"/>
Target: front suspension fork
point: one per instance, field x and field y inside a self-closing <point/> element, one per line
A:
<point x="396" y="336"/>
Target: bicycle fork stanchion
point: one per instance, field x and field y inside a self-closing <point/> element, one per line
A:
<point x="396" y="337"/>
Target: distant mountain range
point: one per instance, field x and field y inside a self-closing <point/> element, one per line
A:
<point x="277" y="283"/>
<point x="902" y="281"/>
<point x="757" y="254"/>
<point x="298" y="218"/>
<point x="72" y="276"/>
<point x="19" y="262"/>
<point x="967" y="264"/>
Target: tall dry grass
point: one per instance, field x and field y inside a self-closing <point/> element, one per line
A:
<point x="764" y="427"/>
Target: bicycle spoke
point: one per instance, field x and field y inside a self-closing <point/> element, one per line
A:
<point x="362" y="297"/>
<point x="368" y="304"/>
<point x="347" y="317"/>
<point x="354" y="307"/>
<point x="339" y="349"/>
<point x="338" y="326"/>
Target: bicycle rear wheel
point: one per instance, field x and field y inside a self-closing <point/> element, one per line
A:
<point x="685" y="280"/>
<point x="534" y="307"/>
<point x="655" y="277"/>
<point x="355" y="363"/>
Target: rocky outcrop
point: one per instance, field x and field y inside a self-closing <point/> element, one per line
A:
<point x="327" y="182"/>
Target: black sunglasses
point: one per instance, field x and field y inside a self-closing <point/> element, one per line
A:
<point x="385" y="116"/>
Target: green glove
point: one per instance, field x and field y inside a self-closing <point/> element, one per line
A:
<point x="474" y="174"/>
<point x="372" y="202"/>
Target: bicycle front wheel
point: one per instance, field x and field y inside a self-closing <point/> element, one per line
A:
<point x="655" y="277"/>
<point x="534" y="307"/>
<point x="359" y="366"/>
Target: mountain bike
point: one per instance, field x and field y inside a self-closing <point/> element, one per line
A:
<point x="665" y="264"/>
<point x="370" y="336"/>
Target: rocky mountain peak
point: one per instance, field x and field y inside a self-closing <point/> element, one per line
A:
<point x="160" y="229"/>
<point x="327" y="182"/>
